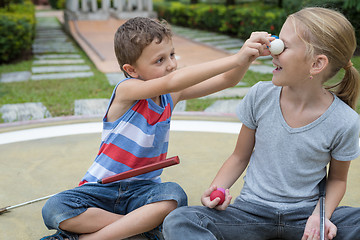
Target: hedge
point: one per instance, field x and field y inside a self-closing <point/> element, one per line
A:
<point x="17" y="30"/>
<point x="350" y="8"/>
<point x="242" y="19"/>
<point x="58" y="4"/>
<point x="238" y="20"/>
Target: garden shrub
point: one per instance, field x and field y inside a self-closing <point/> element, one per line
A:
<point x="354" y="16"/>
<point x="241" y="20"/>
<point x="60" y="4"/>
<point x="238" y="20"/>
<point x="17" y="30"/>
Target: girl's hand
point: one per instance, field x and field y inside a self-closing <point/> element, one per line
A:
<point x="205" y="199"/>
<point x="255" y="46"/>
<point x="312" y="229"/>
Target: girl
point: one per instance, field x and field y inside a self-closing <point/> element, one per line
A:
<point x="292" y="128"/>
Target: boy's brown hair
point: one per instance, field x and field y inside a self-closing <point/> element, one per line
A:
<point x="134" y="35"/>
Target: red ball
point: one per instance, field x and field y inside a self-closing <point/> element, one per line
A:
<point x="219" y="194"/>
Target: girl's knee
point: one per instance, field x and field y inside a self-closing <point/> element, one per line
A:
<point x="173" y="220"/>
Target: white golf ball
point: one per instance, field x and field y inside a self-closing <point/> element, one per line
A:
<point x="277" y="46"/>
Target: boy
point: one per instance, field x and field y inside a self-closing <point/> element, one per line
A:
<point x="135" y="133"/>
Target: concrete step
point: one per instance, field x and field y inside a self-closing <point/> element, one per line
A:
<point x="24" y="112"/>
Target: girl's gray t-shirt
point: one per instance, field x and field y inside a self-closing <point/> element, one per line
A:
<point x="288" y="163"/>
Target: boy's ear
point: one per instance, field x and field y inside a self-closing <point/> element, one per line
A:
<point x="319" y="64"/>
<point x="130" y="70"/>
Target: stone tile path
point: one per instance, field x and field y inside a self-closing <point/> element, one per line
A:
<point x="57" y="58"/>
<point x="223" y="106"/>
<point x="221" y="42"/>
<point x="24" y="112"/>
<point x="15" y="77"/>
<point x="56" y="53"/>
<point x="91" y="107"/>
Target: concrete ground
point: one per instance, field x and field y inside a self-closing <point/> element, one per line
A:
<point x="41" y="167"/>
<point x="47" y="164"/>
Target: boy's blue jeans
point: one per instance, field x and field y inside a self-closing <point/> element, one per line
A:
<point x="245" y="221"/>
<point x="120" y="198"/>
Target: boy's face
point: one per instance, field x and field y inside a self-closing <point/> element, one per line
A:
<point x="156" y="60"/>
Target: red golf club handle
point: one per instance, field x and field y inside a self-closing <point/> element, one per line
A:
<point x="141" y="170"/>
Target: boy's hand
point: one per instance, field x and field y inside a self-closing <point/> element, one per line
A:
<point x="257" y="45"/>
<point x="312" y="229"/>
<point x="205" y="199"/>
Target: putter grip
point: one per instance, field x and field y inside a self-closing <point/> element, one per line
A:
<point x="322" y="187"/>
<point x="141" y="170"/>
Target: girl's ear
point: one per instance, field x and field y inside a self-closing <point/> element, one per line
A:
<point x="130" y="70"/>
<point x="320" y="63"/>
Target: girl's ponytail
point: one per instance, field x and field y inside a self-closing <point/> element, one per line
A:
<point x="348" y="88"/>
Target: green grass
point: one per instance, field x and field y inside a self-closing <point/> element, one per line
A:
<point x="199" y="104"/>
<point x="252" y="77"/>
<point x="16" y="67"/>
<point x="57" y="95"/>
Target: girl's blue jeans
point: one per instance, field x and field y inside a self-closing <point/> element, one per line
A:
<point x="245" y="220"/>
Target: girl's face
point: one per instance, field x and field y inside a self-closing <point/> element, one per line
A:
<point x="292" y="66"/>
<point x="156" y="60"/>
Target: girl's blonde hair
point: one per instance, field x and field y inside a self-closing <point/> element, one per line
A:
<point x="328" y="32"/>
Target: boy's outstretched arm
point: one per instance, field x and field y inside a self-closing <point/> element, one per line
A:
<point x="335" y="190"/>
<point x="181" y="79"/>
<point x="254" y="47"/>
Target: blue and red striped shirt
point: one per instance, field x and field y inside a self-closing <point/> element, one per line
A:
<point x="138" y="138"/>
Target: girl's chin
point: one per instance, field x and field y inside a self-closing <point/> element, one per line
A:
<point x="275" y="81"/>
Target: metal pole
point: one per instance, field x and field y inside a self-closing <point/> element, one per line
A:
<point x="322" y="193"/>
<point x="5" y="209"/>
